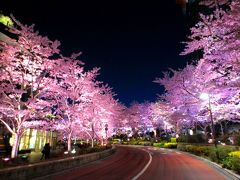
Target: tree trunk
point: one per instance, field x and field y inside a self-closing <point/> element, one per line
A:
<point x="92" y="142"/>
<point x="222" y="130"/>
<point x="205" y="133"/>
<point x="69" y="141"/>
<point x="15" y="146"/>
<point x="102" y="141"/>
<point x="93" y="131"/>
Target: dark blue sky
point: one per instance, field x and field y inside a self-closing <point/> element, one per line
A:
<point x="133" y="41"/>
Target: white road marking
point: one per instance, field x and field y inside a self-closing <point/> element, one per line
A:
<point x="145" y="168"/>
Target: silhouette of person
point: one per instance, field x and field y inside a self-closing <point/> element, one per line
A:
<point x="46" y="151"/>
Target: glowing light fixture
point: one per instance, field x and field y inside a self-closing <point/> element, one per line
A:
<point x="6" y="159"/>
<point x="204" y="96"/>
<point x="65" y="152"/>
<point x="73" y="151"/>
<point x="191" y="132"/>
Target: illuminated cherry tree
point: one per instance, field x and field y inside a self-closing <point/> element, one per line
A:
<point x="70" y="94"/>
<point x="215" y="74"/>
<point x="217" y="35"/>
<point x="23" y="79"/>
<point x="161" y="116"/>
<point x="102" y="114"/>
<point x="84" y="106"/>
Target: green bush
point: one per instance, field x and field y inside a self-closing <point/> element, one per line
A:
<point x="94" y="149"/>
<point x="235" y="164"/>
<point x="170" y="145"/>
<point x="232" y="163"/>
<point x="115" y="141"/>
<point x="195" y="149"/>
<point x="196" y="138"/>
<point x="234" y="154"/>
<point x="181" y="147"/>
<point x="160" y="144"/>
<point x="201" y="150"/>
<point x="148" y="143"/>
<point x="165" y="145"/>
<point x="238" y="140"/>
<point x="141" y="142"/>
<point x="219" y="154"/>
<point x="189" y="148"/>
<point x="226" y="163"/>
<point x="173" y="140"/>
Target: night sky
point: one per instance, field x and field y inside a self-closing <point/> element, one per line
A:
<point x="133" y="41"/>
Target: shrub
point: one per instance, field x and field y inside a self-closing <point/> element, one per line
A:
<point x="234" y="154"/>
<point x="219" y="154"/>
<point x="83" y="145"/>
<point x="115" y="141"/>
<point x="148" y="143"/>
<point x="133" y="142"/>
<point x="226" y="163"/>
<point x="160" y="144"/>
<point x="195" y="149"/>
<point x="196" y="138"/>
<point x="235" y="164"/>
<point x="94" y="149"/>
<point x="181" y="147"/>
<point x="201" y="150"/>
<point x="173" y="140"/>
<point x="170" y="145"/>
<point x="232" y="163"/>
<point x="189" y="148"/>
<point x="141" y="143"/>
<point x="238" y="140"/>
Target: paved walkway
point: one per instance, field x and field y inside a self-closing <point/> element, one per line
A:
<point x="34" y="157"/>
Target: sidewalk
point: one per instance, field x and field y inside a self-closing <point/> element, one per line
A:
<point x="34" y="157"/>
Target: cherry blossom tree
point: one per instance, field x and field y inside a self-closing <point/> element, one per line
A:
<point x="161" y="116"/>
<point x="216" y="73"/>
<point x="71" y="93"/>
<point x="217" y="35"/>
<point x="102" y="113"/>
<point x="23" y="79"/>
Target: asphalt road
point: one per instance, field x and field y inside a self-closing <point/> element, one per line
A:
<point x="175" y="165"/>
<point x="145" y="163"/>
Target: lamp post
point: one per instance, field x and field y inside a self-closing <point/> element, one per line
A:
<point x="205" y="96"/>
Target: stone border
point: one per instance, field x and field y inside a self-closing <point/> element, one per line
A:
<point x="45" y="168"/>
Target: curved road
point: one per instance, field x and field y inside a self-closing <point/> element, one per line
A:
<point x="145" y="163"/>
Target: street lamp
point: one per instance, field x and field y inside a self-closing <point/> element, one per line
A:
<point x="205" y="96"/>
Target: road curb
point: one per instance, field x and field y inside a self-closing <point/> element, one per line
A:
<point x="230" y="174"/>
